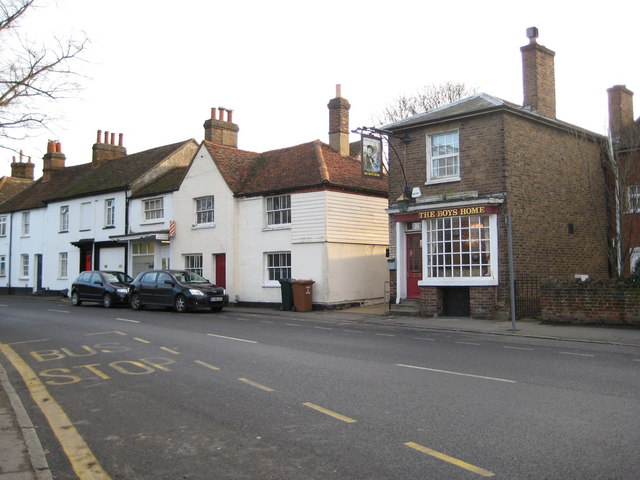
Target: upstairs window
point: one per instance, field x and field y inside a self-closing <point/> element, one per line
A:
<point x="3" y="226"/>
<point x="443" y="159"/>
<point x="154" y="209"/>
<point x="64" y="218"/>
<point x="279" y="210"/>
<point x="204" y="210"/>
<point x="3" y="265"/>
<point x="633" y="199"/>
<point x="26" y="223"/>
<point x="110" y="212"/>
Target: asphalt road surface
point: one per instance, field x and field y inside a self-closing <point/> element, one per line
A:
<point x="152" y="394"/>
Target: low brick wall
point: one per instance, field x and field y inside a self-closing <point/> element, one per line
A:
<point x="606" y="302"/>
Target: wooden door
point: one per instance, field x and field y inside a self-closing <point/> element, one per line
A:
<point x="414" y="264"/>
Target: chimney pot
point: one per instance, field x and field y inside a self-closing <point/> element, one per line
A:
<point x="58" y="147"/>
<point x="120" y="139"/>
<point x="113" y="138"/>
<point x="220" y="113"/>
<point x="106" y="137"/>
<point x="229" y="116"/>
<point x="99" y="136"/>
<point x="338" y="91"/>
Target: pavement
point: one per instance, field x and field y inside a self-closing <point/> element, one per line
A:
<point x="22" y="456"/>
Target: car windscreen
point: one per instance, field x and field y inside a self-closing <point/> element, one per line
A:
<point x="189" y="277"/>
<point x="111" y="278"/>
<point x="123" y="277"/>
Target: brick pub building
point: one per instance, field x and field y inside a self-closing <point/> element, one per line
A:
<point x="460" y="173"/>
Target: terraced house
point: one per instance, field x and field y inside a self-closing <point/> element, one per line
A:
<point x="242" y="219"/>
<point x="247" y="219"/>
<point x="68" y="220"/>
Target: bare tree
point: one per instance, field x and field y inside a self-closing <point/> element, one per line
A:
<point x="31" y="73"/>
<point x="424" y="99"/>
<point x="621" y="157"/>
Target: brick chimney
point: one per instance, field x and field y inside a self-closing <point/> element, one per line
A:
<point x="538" y="76"/>
<point x="107" y="149"/>
<point x="339" y="123"/>
<point x="620" y="110"/>
<point x="221" y="130"/>
<point x="22" y="169"/>
<point x="53" y="160"/>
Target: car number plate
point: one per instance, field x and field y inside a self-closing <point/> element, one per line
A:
<point x="215" y="299"/>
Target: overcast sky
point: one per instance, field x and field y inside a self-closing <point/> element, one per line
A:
<point x="154" y="68"/>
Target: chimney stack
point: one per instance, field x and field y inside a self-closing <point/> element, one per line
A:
<point x="107" y="149"/>
<point x="620" y="110"/>
<point x="339" y="123"/>
<point x="22" y="169"/>
<point x="538" y="76"/>
<point x="53" y="160"/>
<point x="221" y="130"/>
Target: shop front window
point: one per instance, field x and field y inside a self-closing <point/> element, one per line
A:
<point x="458" y="247"/>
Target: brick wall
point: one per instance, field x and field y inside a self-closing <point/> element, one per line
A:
<point x="482" y="302"/>
<point x="608" y="302"/>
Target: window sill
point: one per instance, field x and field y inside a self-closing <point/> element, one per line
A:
<point x="108" y="227"/>
<point x="202" y="226"/>
<point x="152" y="222"/>
<point x="459" y="282"/>
<point x="271" y="285"/>
<point x="435" y="181"/>
<point x="270" y="228"/>
<point x="63" y="231"/>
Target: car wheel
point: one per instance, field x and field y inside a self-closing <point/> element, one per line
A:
<point x="75" y="299"/>
<point x="180" y="304"/>
<point x="107" y="300"/>
<point x="216" y="309"/>
<point x="136" y="302"/>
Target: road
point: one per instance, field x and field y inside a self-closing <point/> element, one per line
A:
<point x="151" y="394"/>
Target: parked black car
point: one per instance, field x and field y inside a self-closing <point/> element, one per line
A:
<point x="180" y="289"/>
<point x="107" y="287"/>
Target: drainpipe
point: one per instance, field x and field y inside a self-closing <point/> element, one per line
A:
<point x="9" y="271"/>
<point x="126" y="231"/>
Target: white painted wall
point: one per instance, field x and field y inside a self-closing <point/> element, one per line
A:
<point x="203" y="179"/>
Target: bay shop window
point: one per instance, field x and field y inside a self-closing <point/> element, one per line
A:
<point x="458" y="250"/>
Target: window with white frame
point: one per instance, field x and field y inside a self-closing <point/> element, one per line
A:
<point x="633" y="198"/>
<point x="86" y="216"/>
<point x="278" y="266"/>
<point x="24" y="265"/>
<point x="64" y="218"/>
<point x="3" y="265"/>
<point x="204" y="210"/>
<point x="278" y="210"/>
<point x="110" y="212"/>
<point x="153" y="209"/>
<point x="193" y="263"/>
<point x="3" y="226"/>
<point x="63" y="259"/>
<point x="443" y="157"/>
<point x="458" y="248"/>
<point x="26" y="218"/>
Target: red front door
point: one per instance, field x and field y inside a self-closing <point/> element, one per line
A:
<point x="414" y="264"/>
<point x="221" y="270"/>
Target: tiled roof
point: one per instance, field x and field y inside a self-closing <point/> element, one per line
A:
<point x="90" y="178"/>
<point x="309" y="165"/>
<point x="9" y="186"/>
<point x="474" y="105"/>
<point x="168" y="182"/>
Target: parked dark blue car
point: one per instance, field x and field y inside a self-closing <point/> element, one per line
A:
<point x="181" y="290"/>
<point x="107" y="287"/>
